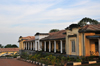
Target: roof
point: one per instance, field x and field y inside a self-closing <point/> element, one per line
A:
<point x="27" y="38"/>
<point x="72" y="26"/>
<point x="90" y="28"/>
<point x="41" y="34"/>
<point x="8" y="49"/>
<point x="55" y="35"/>
<point x="31" y="39"/>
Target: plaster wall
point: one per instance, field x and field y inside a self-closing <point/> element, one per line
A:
<point x="38" y="44"/>
<point x="68" y="42"/>
<point x="87" y="43"/>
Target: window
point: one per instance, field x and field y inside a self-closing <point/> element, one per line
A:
<point x="73" y="46"/>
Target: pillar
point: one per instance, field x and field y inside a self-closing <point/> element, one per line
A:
<point x="28" y="46"/>
<point x="40" y="46"/>
<point x="44" y="45"/>
<point x="99" y="46"/>
<point x="55" y="46"/>
<point x="61" y="46"/>
<point x="24" y="46"/>
<point x="31" y="45"/>
<point x="49" y="46"/>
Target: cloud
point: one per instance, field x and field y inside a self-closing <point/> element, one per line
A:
<point x="26" y="17"/>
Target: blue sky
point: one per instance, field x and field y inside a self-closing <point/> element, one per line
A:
<point x="26" y="17"/>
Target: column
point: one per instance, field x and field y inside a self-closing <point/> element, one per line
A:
<point x="61" y="46"/>
<point x="99" y="46"/>
<point x="49" y="46"/>
<point x="31" y="45"/>
<point x="44" y="45"/>
<point x="24" y="46"/>
<point x="28" y="45"/>
<point x="40" y="45"/>
<point x="55" y="46"/>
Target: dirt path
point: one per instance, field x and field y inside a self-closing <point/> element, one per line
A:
<point x="14" y="62"/>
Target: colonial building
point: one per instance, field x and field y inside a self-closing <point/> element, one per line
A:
<point x="24" y="43"/>
<point x="74" y="41"/>
<point x="48" y="42"/>
<point x="83" y="41"/>
<point x="55" y="42"/>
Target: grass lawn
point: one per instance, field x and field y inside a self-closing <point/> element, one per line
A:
<point x="96" y="64"/>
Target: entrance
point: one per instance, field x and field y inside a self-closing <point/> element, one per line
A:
<point x="96" y="47"/>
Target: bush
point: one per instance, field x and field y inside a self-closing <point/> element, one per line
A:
<point x="15" y="56"/>
<point x="8" y="56"/>
<point x="78" y="60"/>
<point x="83" y="58"/>
<point x="54" y="60"/>
<point x="25" y="55"/>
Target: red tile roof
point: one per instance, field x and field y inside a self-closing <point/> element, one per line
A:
<point x="90" y="28"/>
<point x="28" y="37"/>
<point x="55" y="35"/>
<point x="9" y="49"/>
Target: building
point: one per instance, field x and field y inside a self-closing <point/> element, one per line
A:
<point x="73" y="41"/>
<point x="55" y="42"/>
<point x="8" y="51"/>
<point x="48" y="42"/>
<point x="25" y="45"/>
<point x="83" y="41"/>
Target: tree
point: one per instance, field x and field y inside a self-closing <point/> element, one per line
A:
<point x="8" y="46"/>
<point x="11" y="46"/>
<point x="86" y="21"/>
<point x="53" y="30"/>
<point x="14" y="46"/>
<point x="1" y="46"/>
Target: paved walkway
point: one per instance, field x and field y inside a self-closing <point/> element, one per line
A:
<point x="14" y="62"/>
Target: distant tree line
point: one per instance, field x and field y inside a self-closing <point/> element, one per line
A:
<point x="9" y="46"/>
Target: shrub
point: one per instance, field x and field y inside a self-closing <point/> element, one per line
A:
<point x="78" y="60"/>
<point x="15" y="56"/>
<point x="83" y="58"/>
<point x="30" y="57"/>
<point x="71" y="59"/>
<point x="91" y="58"/>
<point x="8" y="56"/>
<point x="58" y="62"/>
<point x="25" y="55"/>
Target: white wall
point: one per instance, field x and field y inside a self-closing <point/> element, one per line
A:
<point x="37" y="39"/>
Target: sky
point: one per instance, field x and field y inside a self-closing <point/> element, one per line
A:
<point x="27" y="17"/>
